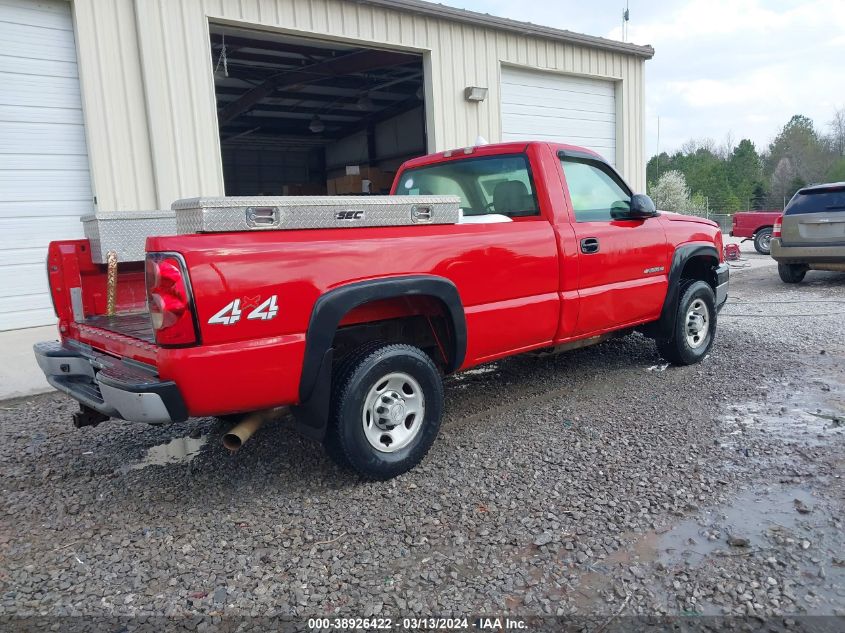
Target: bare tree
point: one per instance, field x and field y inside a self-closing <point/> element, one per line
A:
<point x="784" y="175"/>
<point x="837" y="128"/>
<point x="693" y="145"/>
<point x="689" y="147"/>
<point x="724" y="152"/>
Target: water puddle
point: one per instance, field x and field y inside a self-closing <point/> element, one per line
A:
<point x="754" y="518"/>
<point x="179" y="450"/>
<point x="789" y="527"/>
<point x="801" y="420"/>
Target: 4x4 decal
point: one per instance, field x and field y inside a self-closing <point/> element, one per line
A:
<point x="233" y="311"/>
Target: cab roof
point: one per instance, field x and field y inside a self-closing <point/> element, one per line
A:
<point x="494" y="149"/>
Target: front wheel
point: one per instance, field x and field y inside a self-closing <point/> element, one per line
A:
<point x="792" y="273"/>
<point x="387" y="404"/>
<point x="695" y="325"/>
<point x="763" y="241"/>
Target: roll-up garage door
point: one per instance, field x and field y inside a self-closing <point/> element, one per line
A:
<point x="44" y="180"/>
<point x="547" y="106"/>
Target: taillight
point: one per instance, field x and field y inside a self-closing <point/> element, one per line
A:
<point x="169" y="300"/>
<point x="776" y="228"/>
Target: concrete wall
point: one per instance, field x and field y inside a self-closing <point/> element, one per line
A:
<point x="148" y="90"/>
<point x="19" y="373"/>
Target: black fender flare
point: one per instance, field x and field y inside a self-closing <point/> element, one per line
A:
<point x="331" y="307"/>
<point x="683" y="254"/>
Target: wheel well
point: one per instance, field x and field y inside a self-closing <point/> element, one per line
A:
<point x="760" y="228"/>
<point x="420" y="320"/>
<point x="701" y="268"/>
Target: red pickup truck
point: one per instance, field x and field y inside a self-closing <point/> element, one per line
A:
<point x="354" y="328"/>
<point x="756" y="225"/>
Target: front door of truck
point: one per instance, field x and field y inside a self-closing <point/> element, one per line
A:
<point x="623" y="267"/>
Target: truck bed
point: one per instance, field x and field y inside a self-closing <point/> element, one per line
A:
<point x="135" y="325"/>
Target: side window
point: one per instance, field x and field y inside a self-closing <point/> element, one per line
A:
<point x="490" y="185"/>
<point x="596" y="195"/>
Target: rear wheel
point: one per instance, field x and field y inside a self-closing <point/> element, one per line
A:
<point x="763" y="241"/>
<point x="792" y="273"/>
<point x="695" y="325"/>
<point x="387" y="404"/>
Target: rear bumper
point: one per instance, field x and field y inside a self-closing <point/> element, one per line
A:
<point x="114" y="387"/>
<point x="723" y="276"/>
<point x="807" y="254"/>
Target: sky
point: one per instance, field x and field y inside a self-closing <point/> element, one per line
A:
<point x="738" y="68"/>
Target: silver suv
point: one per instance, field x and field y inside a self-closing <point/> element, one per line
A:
<point x="810" y="235"/>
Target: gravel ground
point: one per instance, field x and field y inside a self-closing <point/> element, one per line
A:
<point x="597" y="482"/>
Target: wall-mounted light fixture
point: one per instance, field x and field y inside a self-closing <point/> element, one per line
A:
<point x="475" y="93"/>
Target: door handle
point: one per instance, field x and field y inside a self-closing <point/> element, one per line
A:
<point x="590" y="245"/>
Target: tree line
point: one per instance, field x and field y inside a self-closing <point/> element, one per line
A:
<point x="703" y="177"/>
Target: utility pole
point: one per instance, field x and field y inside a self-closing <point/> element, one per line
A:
<point x="657" y="177"/>
<point x="626" y="15"/>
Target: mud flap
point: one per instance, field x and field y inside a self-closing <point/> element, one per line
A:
<point x="312" y="415"/>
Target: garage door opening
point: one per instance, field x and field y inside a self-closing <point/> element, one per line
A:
<point x="303" y="116"/>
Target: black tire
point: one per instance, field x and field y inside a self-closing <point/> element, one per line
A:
<point x="792" y="273"/>
<point x="762" y="241"/>
<point x="677" y="348"/>
<point x="340" y="373"/>
<point x="356" y="380"/>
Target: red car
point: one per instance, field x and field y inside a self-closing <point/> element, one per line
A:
<point x="354" y="328"/>
<point x="756" y="225"/>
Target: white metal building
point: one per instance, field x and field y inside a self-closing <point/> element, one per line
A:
<point x="125" y="105"/>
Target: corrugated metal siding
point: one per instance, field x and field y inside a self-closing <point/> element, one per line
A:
<point x="44" y="180"/>
<point x="179" y="106"/>
<point x="114" y="101"/>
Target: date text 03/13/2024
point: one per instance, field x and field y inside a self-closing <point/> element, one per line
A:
<point x="419" y="623"/>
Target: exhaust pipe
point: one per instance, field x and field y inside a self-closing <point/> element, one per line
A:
<point x="241" y="432"/>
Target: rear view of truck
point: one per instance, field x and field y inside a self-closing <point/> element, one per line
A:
<point x="108" y="355"/>
<point x="138" y="342"/>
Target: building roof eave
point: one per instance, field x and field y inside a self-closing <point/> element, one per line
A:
<point x="430" y="9"/>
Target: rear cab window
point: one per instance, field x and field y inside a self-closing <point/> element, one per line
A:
<point x="486" y="185"/>
<point x="821" y="200"/>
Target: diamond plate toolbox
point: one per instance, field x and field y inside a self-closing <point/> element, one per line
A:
<point x="213" y="215"/>
<point x="125" y="232"/>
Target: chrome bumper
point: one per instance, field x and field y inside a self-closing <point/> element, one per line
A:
<point x="723" y="276"/>
<point x="114" y="387"/>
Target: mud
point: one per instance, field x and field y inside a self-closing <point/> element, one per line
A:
<point x="179" y="450"/>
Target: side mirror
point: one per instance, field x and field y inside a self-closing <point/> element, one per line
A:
<point x="641" y="207"/>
